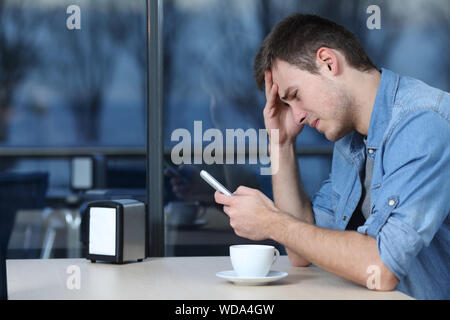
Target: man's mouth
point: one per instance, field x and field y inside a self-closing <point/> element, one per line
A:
<point x="315" y="123"/>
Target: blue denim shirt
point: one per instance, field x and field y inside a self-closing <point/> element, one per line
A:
<point x="409" y="140"/>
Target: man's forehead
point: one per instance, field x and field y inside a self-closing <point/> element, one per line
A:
<point x="284" y="75"/>
<point x="283" y="71"/>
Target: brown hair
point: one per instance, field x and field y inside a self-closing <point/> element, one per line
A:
<point x="296" y="40"/>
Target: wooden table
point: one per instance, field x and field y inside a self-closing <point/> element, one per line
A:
<point x="172" y="278"/>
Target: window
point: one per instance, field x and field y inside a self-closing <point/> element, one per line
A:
<point x="72" y="114"/>
<point x="209" y="47"/>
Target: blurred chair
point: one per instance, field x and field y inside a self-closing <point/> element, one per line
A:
<point x="17" y="191"/>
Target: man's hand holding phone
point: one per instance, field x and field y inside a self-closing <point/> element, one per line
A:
<point x="251" y="213"/>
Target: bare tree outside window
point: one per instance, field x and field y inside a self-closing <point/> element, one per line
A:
<point x="18" y="54"/>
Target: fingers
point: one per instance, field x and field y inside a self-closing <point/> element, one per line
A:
<point x="221" y="198"/>
<point x="270" y="108"/>
<point x="226" y="210"/>
<point x="271" y="93"/>
<point x="272" y="96"/>
<point x="268" y="82"/>
<point x="225" y="200"/>
<point x="270" y="87"/>
<point x="243" y="190"/>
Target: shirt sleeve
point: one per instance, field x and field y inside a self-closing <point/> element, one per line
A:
<point x="412" y="202"/>
<point x="322" y="205"/>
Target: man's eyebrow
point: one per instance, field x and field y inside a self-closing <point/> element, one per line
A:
<point x="286" y="93"/>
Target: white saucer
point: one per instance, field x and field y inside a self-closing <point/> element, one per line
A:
<point x="231" y="275"/>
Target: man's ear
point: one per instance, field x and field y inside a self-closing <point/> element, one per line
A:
<point x="327" y="59"/>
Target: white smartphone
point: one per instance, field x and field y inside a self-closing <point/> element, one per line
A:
<point x="214" y="183"/>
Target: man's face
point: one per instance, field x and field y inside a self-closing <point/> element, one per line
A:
<point x="314" y="99"/>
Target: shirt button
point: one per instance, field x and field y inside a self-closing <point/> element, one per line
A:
<point x="391" y="202"/>
<point x="371" y="151"/>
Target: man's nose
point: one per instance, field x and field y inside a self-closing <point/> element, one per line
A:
<point x="300" y="118"/>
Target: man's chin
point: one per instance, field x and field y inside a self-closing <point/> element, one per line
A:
<point x="333" y="136"/>
<point x="332" y="139"/>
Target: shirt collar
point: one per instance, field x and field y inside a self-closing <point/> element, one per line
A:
<point x="382" y="108"/>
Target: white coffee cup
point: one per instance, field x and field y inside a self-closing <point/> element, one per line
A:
<point x="253" y="260"/>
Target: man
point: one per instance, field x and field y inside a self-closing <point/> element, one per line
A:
<point x="382" y="217"/>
